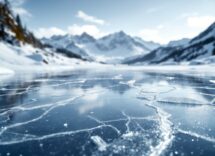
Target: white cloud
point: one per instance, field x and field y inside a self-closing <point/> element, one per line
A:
<point x="17" y="2"/>
<point x="87" y="18"/>
<point x="18" y="8"/>
<point x="150" y="35"/>
<point x="194" y="24"/>
<point x="73" y="30"/>
<point x="90" y="29"/>
<point x="22" y="12"/>
<point x="200" y="22"/>
<point x="161" y="26"/>
<point x="158" y="35"/>
<point x="188" y="14"/>
<point x="48" y="32"/>
<point x="153" y="34"/>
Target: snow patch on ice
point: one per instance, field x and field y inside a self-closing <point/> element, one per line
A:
<point x="212" y="81"/>
<point x="131" y="82"/>
<point x="5" y="71"/>
<point x="130" y="134"/>
<point x="102" y="145"/>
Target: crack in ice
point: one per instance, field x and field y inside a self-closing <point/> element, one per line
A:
<point x="104" y="124"/>
<point x="196" y="135"/>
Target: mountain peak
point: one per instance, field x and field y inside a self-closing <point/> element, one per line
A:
<point x="84" y="38"/>
<point x="84" y="34"/>
<point x="56" y="37"/>
<point x="121" y="34"/>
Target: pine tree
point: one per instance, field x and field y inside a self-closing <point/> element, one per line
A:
<point x="18" y="21"/>
<point x="6" y="2"/>
<point x="7" y="5"/>
<point x="213" y="51"/>
<point x="2" y="31"/>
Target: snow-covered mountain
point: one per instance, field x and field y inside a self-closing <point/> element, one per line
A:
<point x="109" y="48"/>
<point x="149" y="44"/>
<point x="198" y="50"/>
<point x="71" y="43"/>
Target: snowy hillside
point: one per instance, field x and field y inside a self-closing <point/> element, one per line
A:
<point x="66" y="42"/>
<point x="26" y="57"/>
<point x="110" y="48"/>
<point x="21" y="50"/>
<point x="195" y="51"/>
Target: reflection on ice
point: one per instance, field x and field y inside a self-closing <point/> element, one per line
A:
<point x="97" y="113"/>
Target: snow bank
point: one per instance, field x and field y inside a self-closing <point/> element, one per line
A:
<point x="26" y="59"/>
<point x="29" y="59"/>
<point x="5" y="71"/>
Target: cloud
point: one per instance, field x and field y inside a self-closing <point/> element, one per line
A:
<point x="200" y="22"/>
<point x="87" y="18"/>
<point x="150" y="35"/>
<point x="92" y="30"/>
<point x="17" y="2"/>
<point x="48" y="32"/>
<point x="159" y="35"/>
<point x="18" y="8"/>
<point x="75" y="29"/>
<point x="188" y="14"/>
<point x="22" y="12"/>
<point x="161" y="26"/>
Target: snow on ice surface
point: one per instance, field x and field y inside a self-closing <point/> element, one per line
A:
<point x="32" y="60"/>
<point x="102" y="145"/>
<point x="5" y="71"/>
<point x="107" y="113"/>
<point x="212" y="81"/>
<point x="29" y="59"/>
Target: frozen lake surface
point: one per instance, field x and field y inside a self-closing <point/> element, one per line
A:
<point x="107" y="113"/>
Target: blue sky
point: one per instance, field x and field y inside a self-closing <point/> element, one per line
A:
<point x="157" y="20"/>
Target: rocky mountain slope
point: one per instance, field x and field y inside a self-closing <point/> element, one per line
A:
<point x="12" y="29"/>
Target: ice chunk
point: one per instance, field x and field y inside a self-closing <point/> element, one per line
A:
<point x="65" y="125"/>
<point x="212" y="81"/>
<point x="102" y="145"/>
<point x="130" y="134"/>
<point x="5" y="71"/>
<point x="118" y="77"/>
<point x="131" y="82"/>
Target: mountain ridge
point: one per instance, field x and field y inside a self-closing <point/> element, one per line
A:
<point x="192" y="52"/>
<point x="112" y="46"/>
